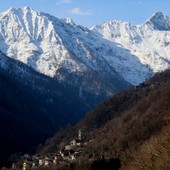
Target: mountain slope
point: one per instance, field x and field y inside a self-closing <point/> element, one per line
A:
<point x="132" y="126"/>
<point x="149" y="43"/>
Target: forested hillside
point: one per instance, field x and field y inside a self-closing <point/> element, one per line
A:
<point x="133" y="126"/>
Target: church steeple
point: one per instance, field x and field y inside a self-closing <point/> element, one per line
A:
<point x="79" y="134"/>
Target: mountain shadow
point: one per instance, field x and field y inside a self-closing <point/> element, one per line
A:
<point x="34" y="106"/>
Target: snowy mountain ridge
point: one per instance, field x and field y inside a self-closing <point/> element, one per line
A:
<point x="148" y="42"/>
<point x="60" y="48"/>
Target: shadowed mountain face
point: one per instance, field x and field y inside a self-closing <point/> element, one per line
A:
<point x="34" y="106"/>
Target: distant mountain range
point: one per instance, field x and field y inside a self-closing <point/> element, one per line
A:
<point x="60" y="48"/>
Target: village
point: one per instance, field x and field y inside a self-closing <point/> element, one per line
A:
<point x="69" y="153"/>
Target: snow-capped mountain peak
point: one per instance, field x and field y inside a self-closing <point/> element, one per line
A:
<point x="159" y="21"/>
<point x="69" y="21"/>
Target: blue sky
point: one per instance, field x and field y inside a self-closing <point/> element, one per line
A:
<point x="91" y="12"/>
